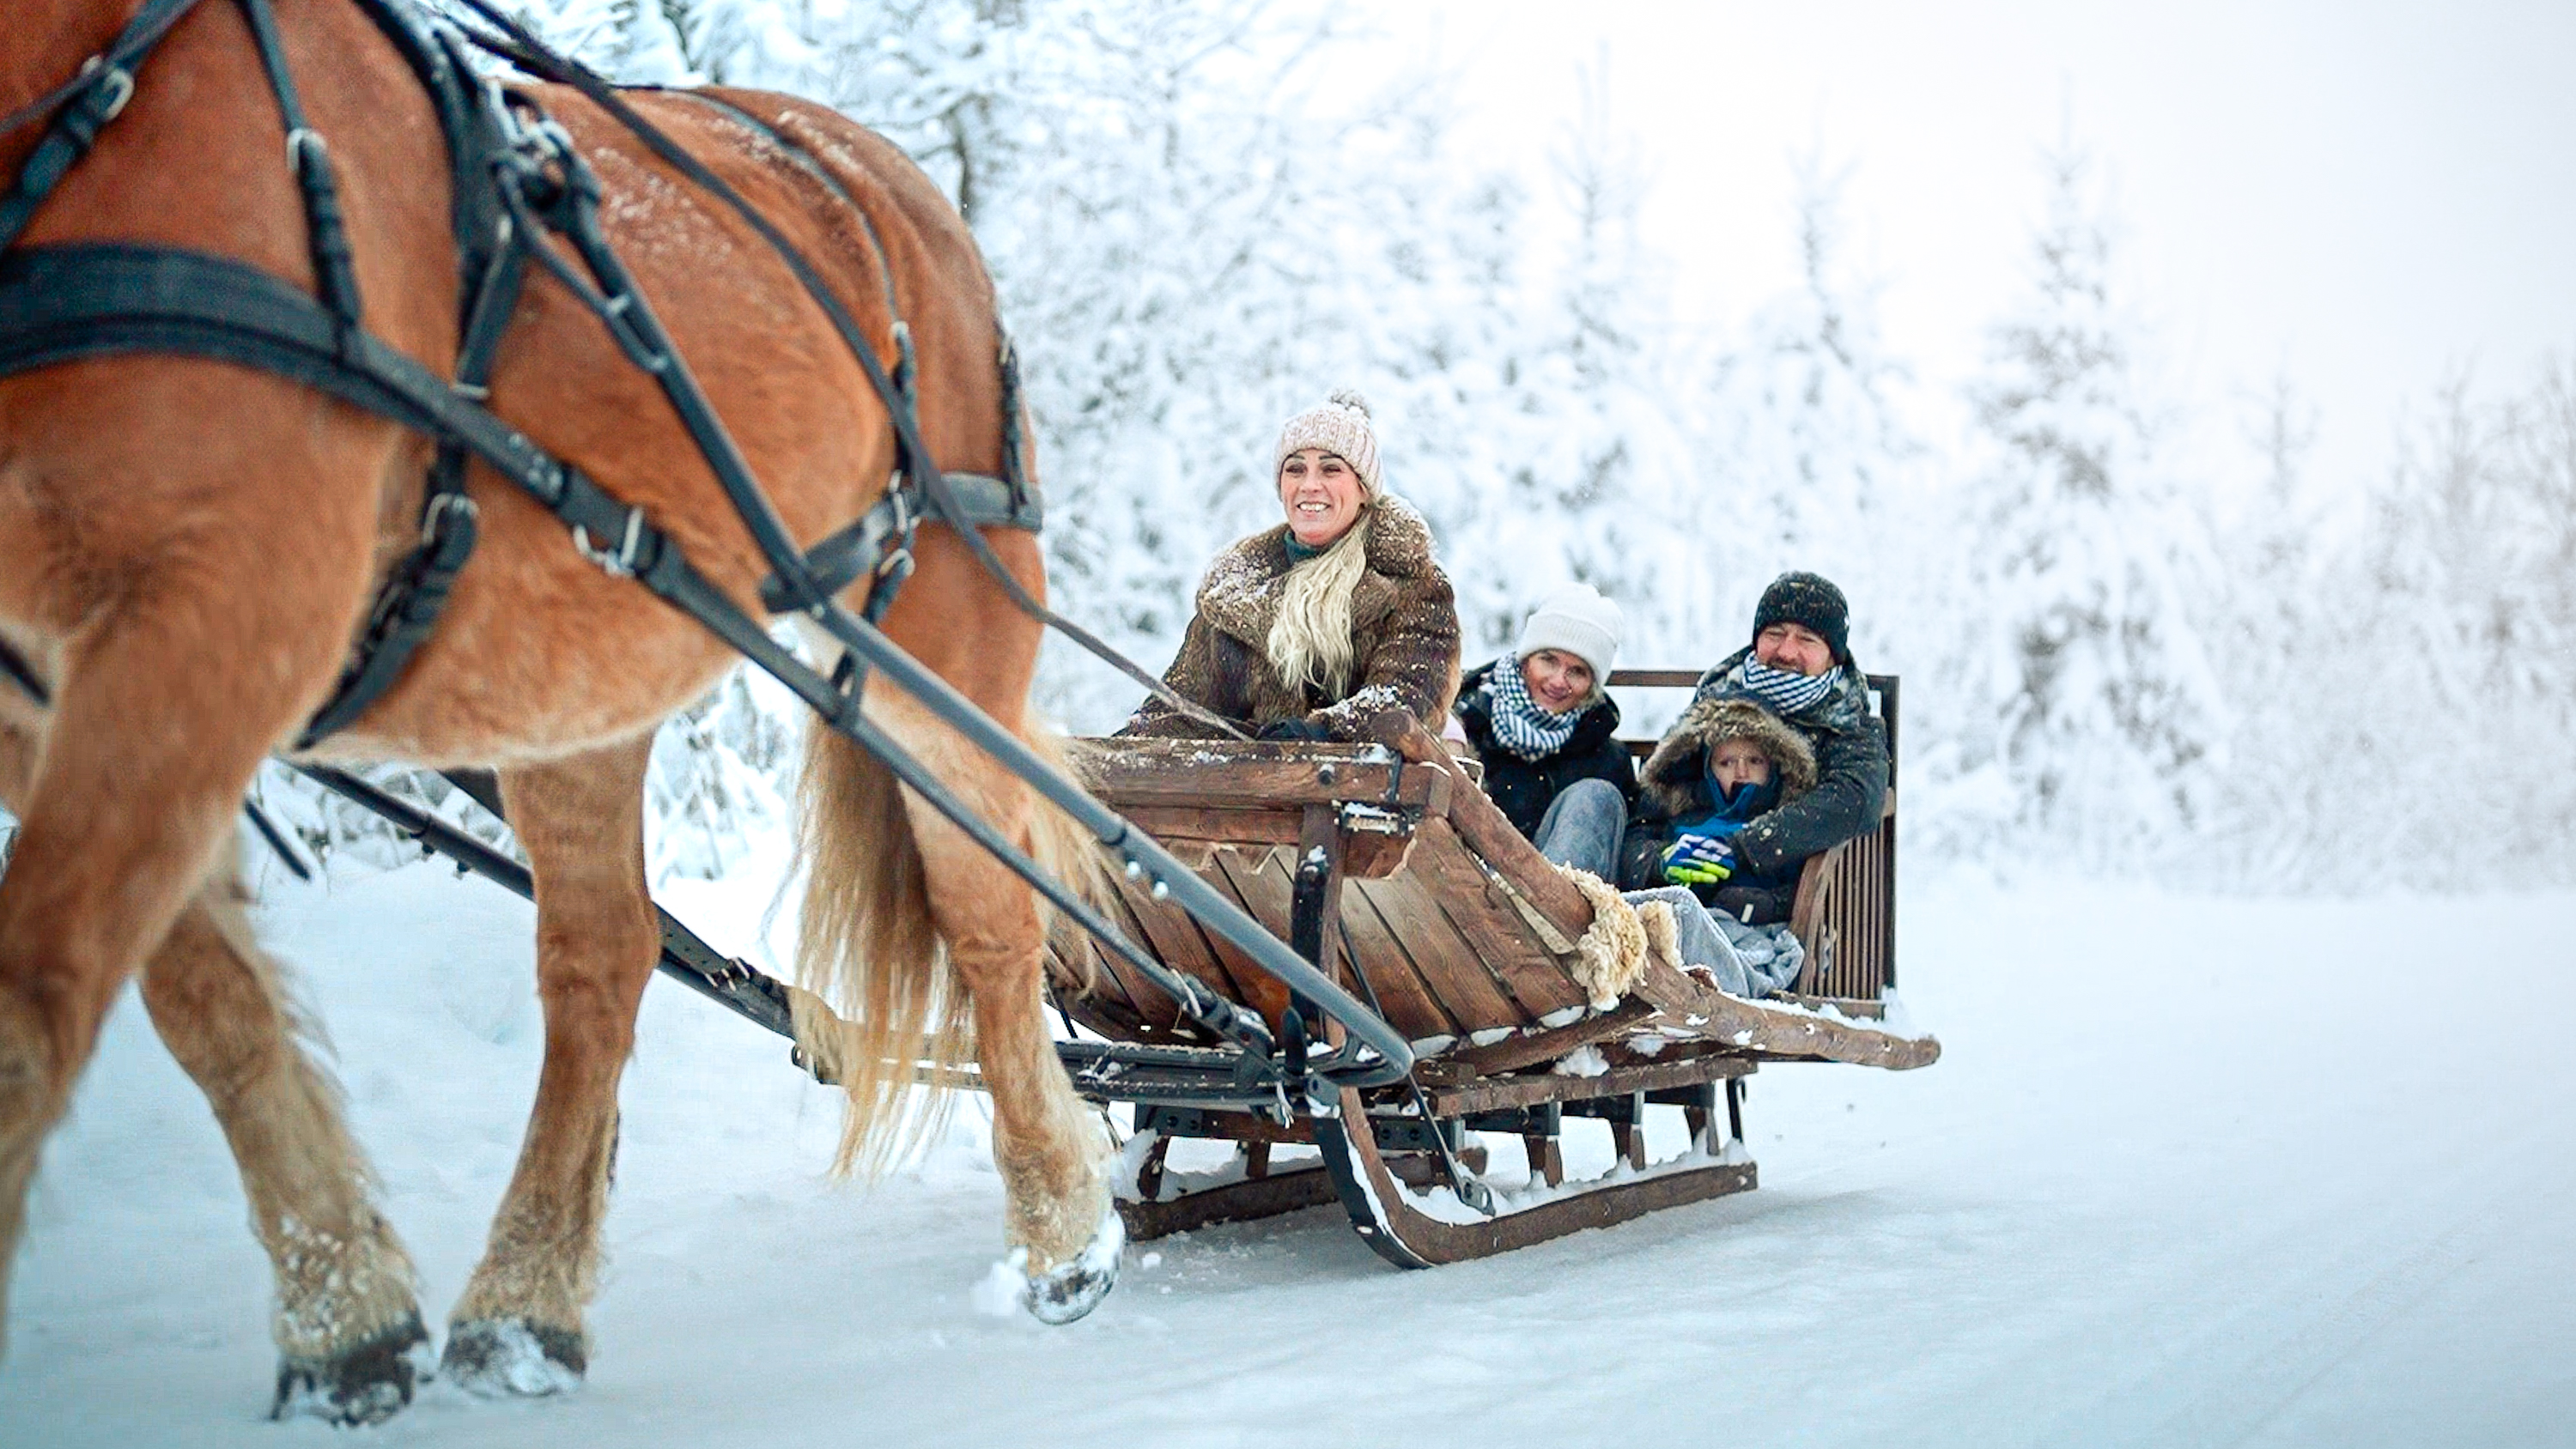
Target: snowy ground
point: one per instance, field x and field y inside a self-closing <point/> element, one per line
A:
<point x="2191" y="1172"/>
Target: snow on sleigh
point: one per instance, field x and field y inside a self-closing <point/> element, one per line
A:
<point x="1528" y="998"/>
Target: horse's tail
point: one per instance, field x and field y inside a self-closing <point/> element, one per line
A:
<point x="881" y="1010"/>
<point x="879" y="996"/>
<point x="1071" y="854"/>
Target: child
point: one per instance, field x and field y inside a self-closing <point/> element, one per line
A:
<point x="1725" y="764"/>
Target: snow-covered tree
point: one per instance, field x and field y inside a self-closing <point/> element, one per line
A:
<point x="1807" y="452"/>
<point x="1546" y="445"/>
<point x="2463" y="570"/>
<point x="2104" y="711"/>
<point x="1818" y="432"/>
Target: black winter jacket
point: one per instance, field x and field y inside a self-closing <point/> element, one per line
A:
<point x="1523" y="789"/>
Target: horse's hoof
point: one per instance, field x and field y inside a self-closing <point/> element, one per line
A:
<point x="513" y="1358"/>
<point x="1075" y="1287"/>
<point x="365" y="1384"/>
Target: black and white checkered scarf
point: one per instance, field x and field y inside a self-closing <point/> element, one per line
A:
<point x="1520" y="726"/>
<point x="1786" y="690"/>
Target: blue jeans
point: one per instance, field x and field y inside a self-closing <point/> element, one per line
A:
<point x="1582" y="828"/>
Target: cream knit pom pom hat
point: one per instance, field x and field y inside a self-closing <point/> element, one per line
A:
<point x="1340" y="426"/>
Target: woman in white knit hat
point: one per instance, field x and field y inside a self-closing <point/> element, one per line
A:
<point x="1316" y="627"/>
<point x="1547" y="733"/>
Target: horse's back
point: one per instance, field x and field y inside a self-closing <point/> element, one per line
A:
<point x="876" y="227"/>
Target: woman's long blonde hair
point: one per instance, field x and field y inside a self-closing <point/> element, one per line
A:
<point x="1310" y="641"/>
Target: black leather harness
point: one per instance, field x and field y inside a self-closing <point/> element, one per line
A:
<point x="516" y="175"/>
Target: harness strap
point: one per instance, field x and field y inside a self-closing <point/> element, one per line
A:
<point x="326" y="230"/>
<point x="861" y="549"/>
<point x="489" y="271"/>
<point x="910" y="455"/>
<point x="407" y="607"/>
<point x="794" y="581"/>
<point x="86" y="102"/>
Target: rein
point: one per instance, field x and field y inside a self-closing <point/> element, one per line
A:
<point x="517" y="175"/>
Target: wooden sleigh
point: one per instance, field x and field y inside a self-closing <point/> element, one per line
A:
<point x="1387" y="865"/>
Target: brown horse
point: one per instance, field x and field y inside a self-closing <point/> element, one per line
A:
<point x="188" y="547"/>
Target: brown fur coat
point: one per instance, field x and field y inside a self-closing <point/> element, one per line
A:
<point x="1404" y="624"/>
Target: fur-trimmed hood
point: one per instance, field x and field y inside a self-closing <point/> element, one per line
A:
<point x="1675" y="779"/>
<point x="1241" y="592"/>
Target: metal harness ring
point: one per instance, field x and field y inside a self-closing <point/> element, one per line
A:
<point x="621" y="563"/>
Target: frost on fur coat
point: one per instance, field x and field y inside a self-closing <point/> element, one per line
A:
<point x="1404" y="631"/>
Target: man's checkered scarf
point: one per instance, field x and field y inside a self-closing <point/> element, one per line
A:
<point x="1786" y="690"/>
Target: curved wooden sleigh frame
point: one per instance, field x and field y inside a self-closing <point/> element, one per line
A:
<point x="1389" y="867"/>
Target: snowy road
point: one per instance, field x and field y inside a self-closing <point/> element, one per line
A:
<point x="2191" y="1172"/>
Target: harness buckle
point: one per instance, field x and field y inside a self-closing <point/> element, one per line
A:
<point x="895" y="565"/>
<point x="618" y="563"/>
<point x="433" y="519"/>
<point x="115" y="80"/>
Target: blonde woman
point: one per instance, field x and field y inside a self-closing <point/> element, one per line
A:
<point x="1310" y="629"/>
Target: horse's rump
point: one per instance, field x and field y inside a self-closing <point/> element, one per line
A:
<point x="780" y="377"/>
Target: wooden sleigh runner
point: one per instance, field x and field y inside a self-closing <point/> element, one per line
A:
<point x="1526" y="1001"/>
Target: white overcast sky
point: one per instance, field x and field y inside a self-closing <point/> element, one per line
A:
<point x="2363" y="195"/>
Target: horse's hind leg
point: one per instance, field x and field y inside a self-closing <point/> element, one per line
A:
<point x="349" y="1337"/>
<point x="518" y="1327"/>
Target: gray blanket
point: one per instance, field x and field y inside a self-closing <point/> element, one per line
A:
<point x="1747" y="961"/>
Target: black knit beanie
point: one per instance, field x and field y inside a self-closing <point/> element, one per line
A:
<point x="1810" y="600"/>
